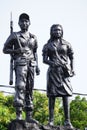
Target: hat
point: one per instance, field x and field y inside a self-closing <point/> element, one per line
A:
<point x="24" y="16"/>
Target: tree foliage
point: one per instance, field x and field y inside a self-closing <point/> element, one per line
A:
<point x="40" y="112"/>
<point x="79" y="112"/>
<point x="7" y="111"/>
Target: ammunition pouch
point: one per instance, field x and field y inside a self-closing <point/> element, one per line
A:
<point x="20" y="61"/>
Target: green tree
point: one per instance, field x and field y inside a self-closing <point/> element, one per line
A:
<point x="7" y="111"/>
<point x="40" y="112"/>
<point x="79" y="112"/>
<point x="41" y="109"/>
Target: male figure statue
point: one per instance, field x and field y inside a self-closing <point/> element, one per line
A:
<point x="22" y="46"/>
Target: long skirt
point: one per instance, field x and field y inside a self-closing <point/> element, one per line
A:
<point x="57" y="84"/>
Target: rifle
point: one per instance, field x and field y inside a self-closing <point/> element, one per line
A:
<point x="11" y="59"/>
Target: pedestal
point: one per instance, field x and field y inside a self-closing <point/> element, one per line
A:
<point x="23" y="125"/>
<point x="57" y="128"/>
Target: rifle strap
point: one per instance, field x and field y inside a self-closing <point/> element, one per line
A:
<point x="18" y="40"/>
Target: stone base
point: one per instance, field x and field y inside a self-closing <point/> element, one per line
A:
<point x="57" y="128"/>
<point x="23" y="125"/>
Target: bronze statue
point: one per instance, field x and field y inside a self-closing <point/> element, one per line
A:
<point x="58" y="54"/>
<point x="22" y="46"/>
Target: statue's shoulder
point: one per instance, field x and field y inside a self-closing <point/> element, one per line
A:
<point x="33" y="36"/>
<point x="69" y="46"/>
<point x="46" y="46"/>
<point x="12" y="36"/>
<point x="66" y="42"/>
<point x="15" y="34"/>
<point x="48" y="43"/>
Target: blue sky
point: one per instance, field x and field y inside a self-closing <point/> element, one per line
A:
<point x="71" y="14"/>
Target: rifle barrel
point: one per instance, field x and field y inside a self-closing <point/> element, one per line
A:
<point x="11" y="60"/>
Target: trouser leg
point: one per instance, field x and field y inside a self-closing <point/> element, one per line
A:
<point x="51" y="110"/>
<point x="29" y="95"/>
<point x="29" y="105"/>
<point x="28" y="98"/>
<point x="20" y="82"/>
<point x="19" y="102"/>
<point x="29" y="111"/>
<point x="19" y="113"/>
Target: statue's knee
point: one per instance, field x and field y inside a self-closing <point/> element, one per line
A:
<point x="20" y="87"/>
<point x="18" y="103"/>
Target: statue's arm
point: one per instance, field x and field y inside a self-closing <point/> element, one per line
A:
<point x="36" y="56"/>
<point x="9" y="45"/>
<point x="46" y="58"/>
<point x="71" y="57"/>
<point x="37" y="67"/>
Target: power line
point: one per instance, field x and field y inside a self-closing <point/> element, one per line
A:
<point x="82" y="94"/>
<point x="6" y="92"/>
<point x="7" y="86"/>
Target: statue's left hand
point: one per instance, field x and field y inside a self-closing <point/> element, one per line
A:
<point x="37" y="70"/>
